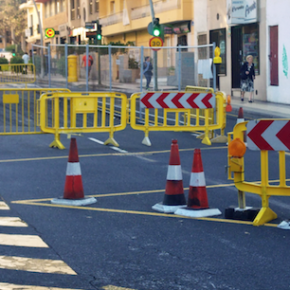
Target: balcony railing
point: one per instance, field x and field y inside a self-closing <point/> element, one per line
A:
<point x="159" y="6"/>
<point x="112" y="19"/>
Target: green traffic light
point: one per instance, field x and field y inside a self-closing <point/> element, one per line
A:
<point x="156" y="32"/>
<point x="99" y="37"/>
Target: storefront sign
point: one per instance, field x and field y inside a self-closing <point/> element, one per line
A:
<point x="242" y="11"/>
<point x="90" y="34"/>
<point x="62" y="30"/>
<point x="178" y="28"/>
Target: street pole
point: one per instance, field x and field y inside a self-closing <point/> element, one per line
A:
<point x="155" y="63"/>
<point x="41" y="39"/>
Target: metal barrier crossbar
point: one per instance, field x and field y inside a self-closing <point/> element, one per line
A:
<point x="68" y="113"/>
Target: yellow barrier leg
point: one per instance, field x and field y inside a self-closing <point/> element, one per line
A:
<point x="146" y="140"/>
<point x="56" y="142"/>
<point x="111" y="140"/>
<point x="265" y="215"/>
<point x="206" y="139"/>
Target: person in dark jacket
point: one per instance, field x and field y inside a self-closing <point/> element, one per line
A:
<point x="147" y="71"/>
<point x="247" y="78"/>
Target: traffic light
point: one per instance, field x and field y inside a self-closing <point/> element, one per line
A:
<point x="13" y="52"/>
<point x="99" y="32"/>
<point x="156" y="27"/>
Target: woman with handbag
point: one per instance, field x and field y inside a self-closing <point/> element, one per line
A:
<point x="247" y="75"/>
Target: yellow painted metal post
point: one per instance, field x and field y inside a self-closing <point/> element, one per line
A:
<point x="56" y="142"/>
<point x="265" y="214"/>
<point x="111" y="139"/>
<point x="206" y="140"/>
<point x="282" y="168"/>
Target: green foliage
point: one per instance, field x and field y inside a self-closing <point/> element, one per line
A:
<point x="16" y="60"/>
<point x="10" y="48"/>
<point x="3" y="60"/>
<point x="133" y="64"/>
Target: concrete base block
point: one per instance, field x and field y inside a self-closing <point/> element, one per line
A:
<point x="74" y="202"/>
<point x="246" y="214"/>
<point x="166" y="208"/>
<point x="196" y="213"/>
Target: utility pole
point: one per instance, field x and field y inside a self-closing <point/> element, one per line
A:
<point x="41" y="38"/>
<point x="155" y="52"/>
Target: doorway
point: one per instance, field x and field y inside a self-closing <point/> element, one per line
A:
<point x="273" y="57"/>
<point x="237" y="55"/>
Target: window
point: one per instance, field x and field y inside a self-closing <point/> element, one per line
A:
<point x="46" y="9"/>
<point x="57" y="6"/>
<point x="73" y="12"/>
<point x="219" y="37"/>
<point x="78" y="9"/>
<point x="97" y="6"/>
<point x="250" y="44"/>
<point x="91" y="7"/>
<point x="112" y="7"/>
<point x="61" y="4"/>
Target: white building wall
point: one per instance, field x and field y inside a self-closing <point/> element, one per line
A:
<point x="278" y="14"/>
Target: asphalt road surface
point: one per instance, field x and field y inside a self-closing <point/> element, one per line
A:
<point x="120" y="242"/>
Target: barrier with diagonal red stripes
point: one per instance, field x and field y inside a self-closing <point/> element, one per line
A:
<point x="161" y="111"/>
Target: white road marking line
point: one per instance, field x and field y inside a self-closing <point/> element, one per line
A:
<point x="3" y="206"/>
<point x="22" y="241"/>
<point x="35" y="265"/>
<point x="12" y="222"/>
<point x="96" y="140"/>
<point x="7" y="286"/>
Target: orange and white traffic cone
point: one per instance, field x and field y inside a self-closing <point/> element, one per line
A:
<point x="197" y="204"/>
<point x="73" y="189"/>
<point x="174" y="197"/>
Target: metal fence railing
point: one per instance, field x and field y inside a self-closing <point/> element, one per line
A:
<point x="122" y="67"/>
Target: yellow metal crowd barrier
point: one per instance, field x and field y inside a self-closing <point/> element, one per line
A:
<point x="17" y="73"/>
<point x="68" y="113"/>
<point x="161" y="119"/>
<point x="200" y="114"/>
<point x="19" y="113"/>
<point x="262" y="188"/>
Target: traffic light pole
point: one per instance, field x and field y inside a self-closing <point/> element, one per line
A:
<point x="155" y="62"/>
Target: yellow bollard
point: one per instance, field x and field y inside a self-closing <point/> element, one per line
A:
<point x="72" y="68"/>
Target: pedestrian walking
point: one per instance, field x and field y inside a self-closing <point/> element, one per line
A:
<point x="247" y="75"/>
<point x="25" y="58"/>
<point x="89" y="62"/>
<point x="147" y="71"/>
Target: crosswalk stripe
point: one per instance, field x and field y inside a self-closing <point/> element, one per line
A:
<point x="7" y="286"/>
<point x="3" y="206"/>
<point x="12" y="222"/>
<point x="35" y="265"/>
<point x="22" y="241"/>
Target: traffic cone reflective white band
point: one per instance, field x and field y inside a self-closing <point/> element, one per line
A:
<point x="197" y="179"/>
<point x="174" y="172"/>
<point x="73" y="169"/>
<point x="174" y="196"/>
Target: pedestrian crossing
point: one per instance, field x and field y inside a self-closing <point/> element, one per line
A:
<point x="21" y="264"/>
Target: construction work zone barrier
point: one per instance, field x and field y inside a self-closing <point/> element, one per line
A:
<point x="19" y="110"/>
<point x="263" y="135"/>
<point x="200" y="114"/>
<point x="162" y="112"/>
<point x="73" y="189"/>
<point x="69" y="113"/>
<point x="17" y="73"/>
